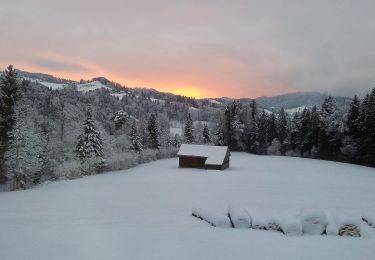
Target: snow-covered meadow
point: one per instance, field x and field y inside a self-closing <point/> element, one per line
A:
<point x="145" y="212"/>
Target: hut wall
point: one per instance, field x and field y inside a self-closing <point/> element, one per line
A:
<point x="191" y="162"/>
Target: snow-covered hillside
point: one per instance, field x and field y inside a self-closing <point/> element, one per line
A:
<point x="91" y="86"/>
<point x="145" y="212"/>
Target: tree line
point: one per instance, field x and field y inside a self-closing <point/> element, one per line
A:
<point x="327" y="132"/>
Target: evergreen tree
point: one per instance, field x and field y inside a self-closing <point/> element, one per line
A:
<point x="271" y="129"/>
<point x="253" y="107"/>
<point x="219" y="137"/>
<point x="353" y="115"/>
<point x="9" y="95"/>
<point x="175" y="141"/>
<point x="315" y="126"/>
<point x="367" y="130"/>
<point x="120" y="118"/>
<point x="305" y="142"/>
<point x="90" y="145"/>
<point x="189" y="128"/>
<point x="329" y="135"/>
<point x="206" y="135"/>
<point x="23" y="158"/>
<point x="282" y="130"/>
<point x="135" y="140"/>
<point x="295" y="133"/>
<point x="227" y="127"/>
<point x="263" y="132"/>
<point x="153" y="133"/>
<point x="236" y="130"/>
<point x="253" y="138"/>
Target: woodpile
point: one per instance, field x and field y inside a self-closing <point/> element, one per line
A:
<point x="273" y="226"/>
<point x="369" y="220"/>
<point x="349" y="230"/>
<point x="311" y="222"/>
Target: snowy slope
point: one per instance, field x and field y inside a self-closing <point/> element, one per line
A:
<point x="119" y="95"/>
<point x="295" y="110"/>
<point x="91" y="86"/>
<point x="145" y="212"/>
<point x="50" y="85"/>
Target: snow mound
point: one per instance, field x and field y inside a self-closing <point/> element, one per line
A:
<point x="257" y="219"/>
<point x="291" y="226"/>
<point x="213" y="218"/>
<point x="239" y="217"/>
<point x="273" y="223"/>
<point x="314" y="222"/>
<point x="332" y="229"/>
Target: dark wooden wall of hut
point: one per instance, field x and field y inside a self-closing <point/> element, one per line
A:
<point x="192" y="162"/>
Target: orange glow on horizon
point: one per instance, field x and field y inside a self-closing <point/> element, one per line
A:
<point x="174" y="86"/>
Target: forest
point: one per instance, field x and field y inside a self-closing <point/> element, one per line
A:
<point x="53" y="134"/>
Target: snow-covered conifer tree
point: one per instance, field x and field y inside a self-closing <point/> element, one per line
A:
<point x="271" y="129"/>
<point x="189" y="128"/>
<point x="282" y="130"/>
<point x="330" y="130"/>
<point x="263" y="130"/>
<point x="305" y="142"/>
<point x="206" y="135"/>
<point x="9" y="95"/>
<point x="219" y="137"/>
<point x="135" y="140"/>
<point x="22" y="158"/>
<point x="153" y="133"/>
<point x="253" y="138"/>
<point x="353" y="115"/>
<point x="90" y="145"/>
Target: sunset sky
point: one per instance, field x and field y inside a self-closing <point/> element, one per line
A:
<point x="197" y="48"/>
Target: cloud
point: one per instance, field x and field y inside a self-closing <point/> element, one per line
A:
<point x="222" y="48"/>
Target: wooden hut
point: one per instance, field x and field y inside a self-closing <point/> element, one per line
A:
<point x="203" y="156"/>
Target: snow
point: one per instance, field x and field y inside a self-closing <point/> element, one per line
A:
<point x="213" y="218"/>
<point x="119" y="95"/>
<point x="193" y="109"/>
<point x="295" y="110"/>
<point x="53" y="86"/>
<point x="145" y="212"/>
<point x="258" y="221"/>
<point x="213" y="101"/>
<point x="291" y="226"/>
<point x="175" y="130"/>
<point x="239" y="217"/>
<point x="91" y="86"/>
<point x="332" y="228"/>
<point x="313" y="221"/>
<point x="215" y="154"/>
<point x="157" y="100"/>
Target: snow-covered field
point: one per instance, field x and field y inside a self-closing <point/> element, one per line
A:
<point x="145" y="212"/>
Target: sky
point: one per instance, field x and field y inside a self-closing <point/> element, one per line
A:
<point x="205" y="48"/>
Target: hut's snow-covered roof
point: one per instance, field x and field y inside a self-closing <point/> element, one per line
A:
<point x="215" y="154"/>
